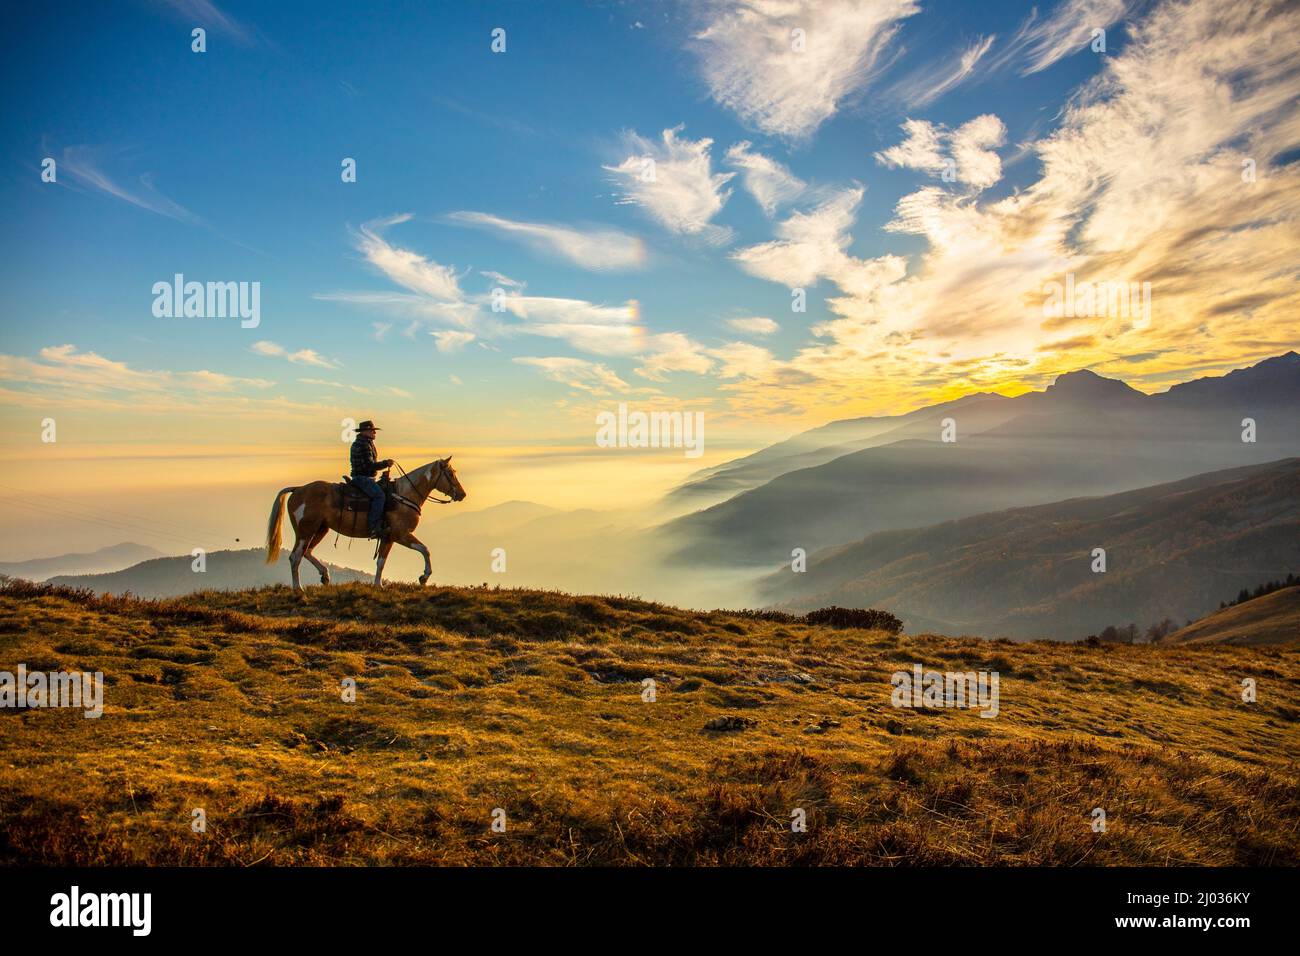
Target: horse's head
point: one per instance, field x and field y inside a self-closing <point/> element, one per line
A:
<point x="447" y="482"/>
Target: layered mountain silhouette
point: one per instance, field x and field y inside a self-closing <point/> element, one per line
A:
<point x="1084" y="435"/>
<point x="113" y="558"/>
<point x="826" y="443"/>
<point x="225" y="571"/>
<point x="1174" y="550"/>
<point x="543" y="545"/>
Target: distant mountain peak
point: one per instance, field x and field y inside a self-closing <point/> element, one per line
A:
<point x="1286" y="358"/>
<point x="1085" y="383"/>
<point x="1274" y="379"/>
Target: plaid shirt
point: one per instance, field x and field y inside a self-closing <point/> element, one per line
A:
<point x="365" y="458"/>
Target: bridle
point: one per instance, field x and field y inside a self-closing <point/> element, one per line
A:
<point x="442" y="466"/>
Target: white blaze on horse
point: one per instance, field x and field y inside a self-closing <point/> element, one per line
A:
<point x="318" y="508"/>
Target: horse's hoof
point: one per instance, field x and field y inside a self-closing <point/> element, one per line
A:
<point x="324" y="579"/>
<point x="424" y="578"/>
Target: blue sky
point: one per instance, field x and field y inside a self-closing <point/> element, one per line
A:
<point x="248" y="138"/>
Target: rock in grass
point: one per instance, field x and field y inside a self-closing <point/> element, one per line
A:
<point x="821" y="726"/>
<point x="730" y="722"/>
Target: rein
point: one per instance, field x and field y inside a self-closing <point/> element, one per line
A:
<point x="428" y="497"/>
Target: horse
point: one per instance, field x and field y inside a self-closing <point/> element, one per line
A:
<point x="316" y="509"/>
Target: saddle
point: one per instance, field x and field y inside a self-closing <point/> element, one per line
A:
<point x="354" y="499"/>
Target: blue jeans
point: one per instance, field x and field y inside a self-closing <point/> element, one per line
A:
<point x="376" y="496"/>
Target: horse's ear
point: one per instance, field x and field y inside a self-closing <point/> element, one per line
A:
<point x="447" y="460"/>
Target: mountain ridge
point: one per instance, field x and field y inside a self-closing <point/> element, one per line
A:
<point x="1173" y="550"/>
<point x="1268" y="379"/>
<point x="113" y="557"/>
<point x="1034" y="448"/>
<point x="167" y="577"/>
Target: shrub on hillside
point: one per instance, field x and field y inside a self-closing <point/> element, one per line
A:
<point x="867" y="618"/>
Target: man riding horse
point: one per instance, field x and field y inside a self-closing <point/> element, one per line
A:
<point x="365" y="465"/>
<point x="319" y="507"/>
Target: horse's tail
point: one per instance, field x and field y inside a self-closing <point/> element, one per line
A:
<point x="273" y="526"/>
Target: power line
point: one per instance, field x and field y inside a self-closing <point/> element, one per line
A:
<point x="46" y="508"/>
<point x="89" y="513"/>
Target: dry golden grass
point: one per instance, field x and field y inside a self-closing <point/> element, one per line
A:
<point x="474" y="699"/>
<point x="1268" y="619"/>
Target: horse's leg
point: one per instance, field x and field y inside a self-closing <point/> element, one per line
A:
<point x="409" y="540"/>
<point x="315" y="540"/>
<point x="379" y="562"/>
<point x="295" y="558"/>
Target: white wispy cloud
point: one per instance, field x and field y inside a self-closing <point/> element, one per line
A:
<point x="406" y="268"/>
<point x="969" y="147"/>
<point x="85" y="165"/>
<point x="672" y="352"/>
<point x="434" y="297"/>
<point x="608" y="330"/>
<point x="553" y="309"/>
<point x="390" y="390"/>
<point x="65" y="367"/>
<point x="419" y="310"/>
<point x="812" y="245"/>
<point x="926" y="85"/>
<point x="300" y="357"/>
<point x="1068" y="29"/>
<point x="921" y="148"/>
<point x="596" y="248"/>
<point x="751" y="59"/>
<point x="754" y="325"/>
<point x="206" y="14"/>
<point x="770" y="183"/>
<point x="581" y="374"/>
<point x="674" y="183"/>
<point x="743" y="360"/>
<point x="978" y="166"/>
<point x="589" y="327"/>
<point x="63" y="376"/>
<point x="502" y="280"/>
<point x="430" y="293"/>
<point x="452" y="340"/>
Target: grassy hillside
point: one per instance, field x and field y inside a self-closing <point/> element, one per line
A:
<point x="474" y="699"/>
<point x="1172" y="550"/>
<point x="1270" y="619"/>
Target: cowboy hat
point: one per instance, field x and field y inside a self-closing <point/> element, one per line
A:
<point x="367" y="425"/>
